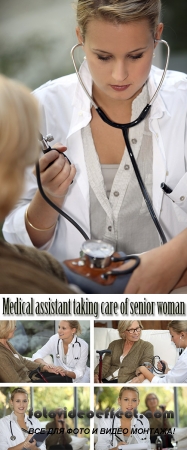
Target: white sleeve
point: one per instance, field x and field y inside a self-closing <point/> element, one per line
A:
<point x="103" y="442"/>
<point x="47" y="349"/>
<point x="178" y="374"/>
<point x="5" y="441"/>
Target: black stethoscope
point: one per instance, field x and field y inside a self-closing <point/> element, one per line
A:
<point x="73" y="347"/>
<point x="125" y="129"/>
<point x="117" y="437"/>
<point x="12" y="437"/>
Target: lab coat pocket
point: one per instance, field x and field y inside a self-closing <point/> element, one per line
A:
<point x="179" y="198"/>
<point x="148" y="185"/>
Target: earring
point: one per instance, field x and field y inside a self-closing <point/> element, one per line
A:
<point x="84" y="57"/>
<point x="154" y="55"/>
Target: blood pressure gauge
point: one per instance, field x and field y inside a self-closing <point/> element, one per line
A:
<point x="97" y="254"/>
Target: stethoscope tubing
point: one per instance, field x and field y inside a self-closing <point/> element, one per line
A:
<point x="73" y="345"/>
<point x="12" y="437"/>
<point x="125" y="128"/>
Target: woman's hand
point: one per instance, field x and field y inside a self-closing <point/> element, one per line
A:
<point x="51" y="368"/>
<point x="56" y="172"/>
<point x="159" y="366"/>
<point x="60" y="422"/>
<point x="161" y="269"/>
<point x="96" y="378"/>
<point x="30" y="445"/>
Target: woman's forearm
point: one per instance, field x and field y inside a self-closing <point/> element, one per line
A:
<point x="161" y="269"/>
<point x="42" y="216"/>
<point x="146" y="373"/>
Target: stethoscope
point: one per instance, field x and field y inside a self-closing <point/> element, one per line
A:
<point x="12" y="437"/>
<point x="73" y="347"/>
<point x="117" y="437"/>
<point x="125" y="129"/>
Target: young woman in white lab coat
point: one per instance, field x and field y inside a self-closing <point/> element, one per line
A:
<point x="14" y="428"/>
<point x="69" y="352"/>
<point x="178" y="374"/>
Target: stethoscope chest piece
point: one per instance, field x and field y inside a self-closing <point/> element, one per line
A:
<point x="97" y="253"/>
<point x="13" y="438"/>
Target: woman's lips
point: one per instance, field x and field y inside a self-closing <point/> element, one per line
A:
<point x="119" y="88"/>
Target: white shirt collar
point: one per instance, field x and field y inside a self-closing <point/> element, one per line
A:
<point x="81" y="115"/>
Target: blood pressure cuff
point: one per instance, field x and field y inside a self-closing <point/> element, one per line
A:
<point x="94" y="284"/>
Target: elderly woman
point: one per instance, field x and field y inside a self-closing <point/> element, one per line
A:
<point x="178" y="374"/>
<point x="69" y="352"/>
<point x="126" y="353"/>
<point x="23" y="270"/>
<point x="15" y="368"/>
<point x="158" y="425"/>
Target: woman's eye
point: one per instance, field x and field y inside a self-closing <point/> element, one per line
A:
<point x="136" y="56"/>
<point x="103" y="58"/>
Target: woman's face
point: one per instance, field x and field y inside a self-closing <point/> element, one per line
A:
<point x="128" y="401"/>
<point x="176" y="338"/>
<point x="64" y="330"/>
<point x="133" y="332"/>
<point x="152" y="401"/>
<point x="119" y="57"/>
<point x="20" y="403"/>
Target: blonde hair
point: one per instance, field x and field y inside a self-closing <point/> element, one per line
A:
<point x="19" y="147"/>
<point x="178" y="325"/>
<point x="118" y="11"/>
<point x="74" y="324"/>
<point x="18" y="391"/>
<point x="6" y="326"/>
<point x="128" y="388"/>
<point x="123" y="325"/>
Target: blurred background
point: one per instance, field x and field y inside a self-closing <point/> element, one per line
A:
<point x="36" y="37"/>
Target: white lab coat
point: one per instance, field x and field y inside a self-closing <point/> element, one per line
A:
<point x="176" y="375"/>
<point x="78" y="366"/>
<point x="65" y="110"/>
<point x="108" y="440"/>
<point x="5" y="431"/>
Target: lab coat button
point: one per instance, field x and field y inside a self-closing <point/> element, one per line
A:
<point x="109" y="228"/>
<point x="126" y="167"/>
<point x="182" y="198"/>
<point x="134" y="141"/>
<point x="116" y="193"/>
